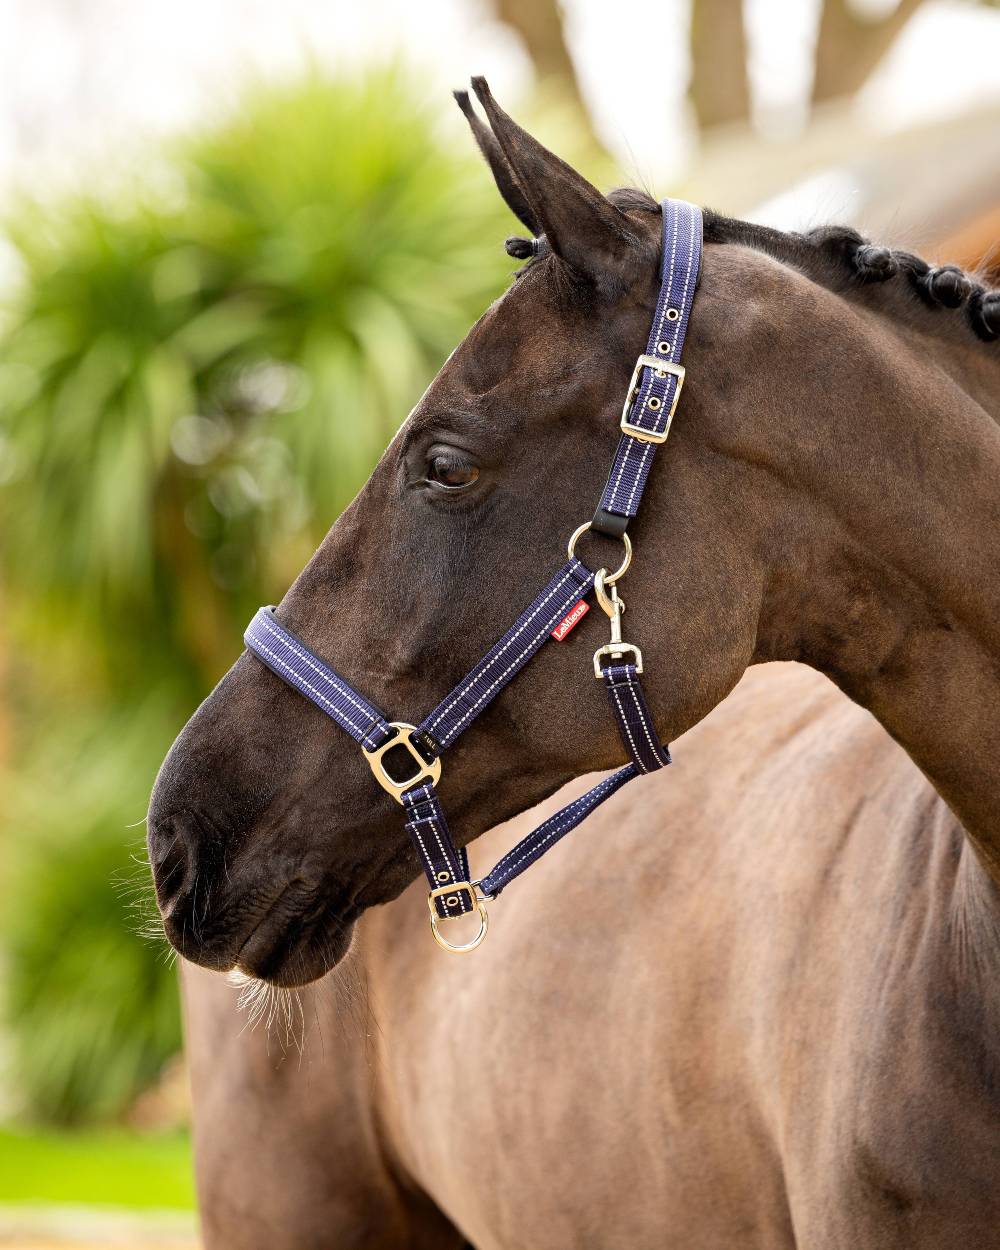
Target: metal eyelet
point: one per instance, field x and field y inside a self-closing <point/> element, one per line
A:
<point x="673" y="314"/>
<point x="652" y="403"/>
<point x="665" y="347"/>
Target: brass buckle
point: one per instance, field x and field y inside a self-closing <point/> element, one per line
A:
<point x="478" y="901"/>
<point x="661" y="368"/>
<point x="425" y="771"/>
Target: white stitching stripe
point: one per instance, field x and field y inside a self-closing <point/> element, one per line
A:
<point x="444" y="854"/>
<point x="598" y="789"/>
<point x="422" y="795"/>
<point x="621" y="712"/>
<point x="340" y="713"/>
<point x="668" y="283"/>
<point x="642" y="720"/>
<point x="525" y="624"/>
<point x="558" y="828"/>
<point x="288" y="642"/>
<point x="526" y="650"/>
<point x="647" y="449"/>
<point x="459" y="724"/>
<point x="635" y="456"/>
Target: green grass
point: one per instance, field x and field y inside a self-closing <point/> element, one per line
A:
<point x="100" y="1168"/>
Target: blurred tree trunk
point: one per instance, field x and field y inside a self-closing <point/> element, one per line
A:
<point x="540" y="25"/>
<point x="4" y="717"/>
<point x="850" y="46"/>
<point x="720" y="89"/>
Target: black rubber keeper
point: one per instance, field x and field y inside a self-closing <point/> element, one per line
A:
<point x="609" y="523"/>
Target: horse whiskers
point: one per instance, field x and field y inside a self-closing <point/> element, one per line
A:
<point x="279" y="1009"/>
<point x="136" y="892"/>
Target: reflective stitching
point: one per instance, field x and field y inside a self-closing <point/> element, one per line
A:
<point x="525" y="624"/>
<point x="633" y="459"/>
<point x="450" y="733"/>
<point x="601" y="785"/>
<point x="341" y="715"/>
<point x="647" y="449"/>
<point x="625" y="725"/>
<point x="414" y="824"/>
<point x="665" y="287"/>
<point x="447" y="860"/>
<point x="287" y="641"/>
<point x="642" y="720"/>
<point x="559" y="827"/>
<point x="681" y="326"/>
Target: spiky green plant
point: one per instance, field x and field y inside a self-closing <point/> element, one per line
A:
<point x="196" y="372"/>
<point x="194" y="381"/>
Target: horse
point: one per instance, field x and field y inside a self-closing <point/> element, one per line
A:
<point x="750" y="1004"/>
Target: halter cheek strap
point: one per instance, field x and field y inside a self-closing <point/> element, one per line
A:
<point x="649" y="409"/>
<point x="655" y="388"/>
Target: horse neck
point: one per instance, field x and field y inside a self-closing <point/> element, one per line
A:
<point x="899" y="569"/>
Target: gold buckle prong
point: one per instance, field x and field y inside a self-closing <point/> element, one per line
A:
<point x="425" y="771"/>
<point x="478" y="900"/>
<point x="661" y="368"/>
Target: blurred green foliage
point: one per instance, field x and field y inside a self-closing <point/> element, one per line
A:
<point x="197" y="371"/>
<point x="102" y="1167"/>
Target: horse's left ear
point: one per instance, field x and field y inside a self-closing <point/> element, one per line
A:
<point x="503" y="175"/>
<point x="581" y="225"/>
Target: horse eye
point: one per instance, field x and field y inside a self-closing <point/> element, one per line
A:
<point x="449" y="473"/>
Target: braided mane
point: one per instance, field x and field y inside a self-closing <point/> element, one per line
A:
<point x="834" y="255"/>
<point x="841" y="253"/>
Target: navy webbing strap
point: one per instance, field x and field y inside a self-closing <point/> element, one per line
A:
<point x="506" y="658"/>
<point x="635" y="725"/>
<point x="292" y="661"/>
<point x="659" y="375"/>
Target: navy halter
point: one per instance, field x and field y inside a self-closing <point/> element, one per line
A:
<point x="649" y="408"/>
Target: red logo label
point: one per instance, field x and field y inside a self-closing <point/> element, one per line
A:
<point x="573" y="617"/>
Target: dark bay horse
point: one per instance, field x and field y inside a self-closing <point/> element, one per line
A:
<point x="761" y="1012"/>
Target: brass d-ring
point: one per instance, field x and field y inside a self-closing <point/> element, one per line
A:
<point x="484" y="920"/>
<point x="609" y="578"/>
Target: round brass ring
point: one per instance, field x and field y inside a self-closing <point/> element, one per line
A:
<point x="609" y="578"/>
<point x="461" y="948"/>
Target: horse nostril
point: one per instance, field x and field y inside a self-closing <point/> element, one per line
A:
<point x="170" y="854"/>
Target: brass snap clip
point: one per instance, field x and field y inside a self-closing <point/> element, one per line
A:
<point x="614" y="606"/>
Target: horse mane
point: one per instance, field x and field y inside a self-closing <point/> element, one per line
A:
<point x="836" y="256"/>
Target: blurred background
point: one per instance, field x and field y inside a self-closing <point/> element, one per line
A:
<point x="213" y="218"/>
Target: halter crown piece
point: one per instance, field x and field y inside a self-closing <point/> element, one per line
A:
<point x="650" y="404"/>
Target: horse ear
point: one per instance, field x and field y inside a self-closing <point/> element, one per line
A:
<point x="580" y="225"/>
<point x="503" y="175"/>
